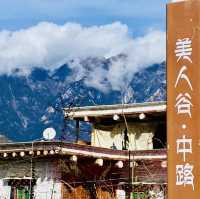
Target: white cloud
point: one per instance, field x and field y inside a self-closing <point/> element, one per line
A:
<point x="49" y="45"/>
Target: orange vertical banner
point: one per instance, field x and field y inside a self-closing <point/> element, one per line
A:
<point x="183" y="99"/>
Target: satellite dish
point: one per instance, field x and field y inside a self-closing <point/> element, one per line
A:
<point x="49" y="133"/>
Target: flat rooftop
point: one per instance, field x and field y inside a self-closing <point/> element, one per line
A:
<point x="133" y="110"/>
<point x="57" y="148"/>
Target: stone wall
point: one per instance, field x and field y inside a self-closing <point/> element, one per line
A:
<point x="45" y="172"/>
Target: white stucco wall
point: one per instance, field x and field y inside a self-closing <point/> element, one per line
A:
<point x="140" y="136"/>
<point x="4" y="190"/>
<point x="47" y="185"/>
<point x="120" y="194"/>
<point x="44" y="189"/>
<point x="47" y="188"/>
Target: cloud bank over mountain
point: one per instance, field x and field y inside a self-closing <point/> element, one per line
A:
<point x="49" y="45"/>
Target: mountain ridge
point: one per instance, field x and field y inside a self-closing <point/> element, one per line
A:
<point x="31" y="103"/>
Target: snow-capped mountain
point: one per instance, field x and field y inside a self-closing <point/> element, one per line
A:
<point x="31" y="103"/>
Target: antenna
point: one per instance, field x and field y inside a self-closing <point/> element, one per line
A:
<point x="49" y="133"/>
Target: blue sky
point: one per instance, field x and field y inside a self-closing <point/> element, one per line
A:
<point x="139" y="15"/>
<point x="49" y="33"/>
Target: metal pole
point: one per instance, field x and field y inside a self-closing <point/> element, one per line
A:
<point x="129" y="177"/>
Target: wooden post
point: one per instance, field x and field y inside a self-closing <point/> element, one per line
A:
<point x="77" y="130"/>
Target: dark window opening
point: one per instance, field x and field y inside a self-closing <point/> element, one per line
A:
<point x="160" y="136"/>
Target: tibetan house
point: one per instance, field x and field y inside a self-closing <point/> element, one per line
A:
<point x="125" y="159"/>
